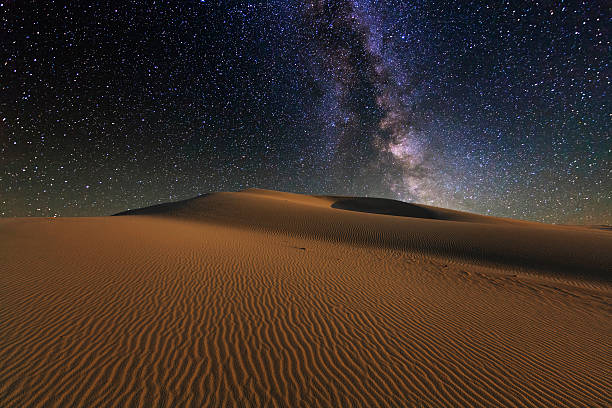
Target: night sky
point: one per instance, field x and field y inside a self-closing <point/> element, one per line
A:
<point x="501" y="109"/>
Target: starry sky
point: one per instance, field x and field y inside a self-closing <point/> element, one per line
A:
<point x="499" y="108"/>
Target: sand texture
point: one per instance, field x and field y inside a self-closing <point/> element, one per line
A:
<point x="261" y="298"/>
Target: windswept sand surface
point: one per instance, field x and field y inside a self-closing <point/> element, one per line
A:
<point x="262" y="298"/>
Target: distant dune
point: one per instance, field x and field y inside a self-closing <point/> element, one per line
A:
<point x="573" y="251"/>
<point x="263" y="298"/>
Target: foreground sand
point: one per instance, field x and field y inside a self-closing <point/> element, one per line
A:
<point x="261" y="298"/>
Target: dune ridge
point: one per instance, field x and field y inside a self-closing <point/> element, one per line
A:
<point x="252" y="299"/>
<point x="522" y="245"/>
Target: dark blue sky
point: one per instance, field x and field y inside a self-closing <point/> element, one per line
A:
<point x="499" y="109"/>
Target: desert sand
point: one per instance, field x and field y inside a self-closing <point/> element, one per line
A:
<point x="262" y="298"/>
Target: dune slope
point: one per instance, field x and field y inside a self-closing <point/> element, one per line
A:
<point x="262" y="298"/>
<point x="521" y="245"/>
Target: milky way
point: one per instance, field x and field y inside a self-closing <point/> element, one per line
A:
<point x="373" y="100"/>
<point x="500" y="109"/>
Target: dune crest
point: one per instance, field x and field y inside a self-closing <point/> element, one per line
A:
<point x="376" y="222"/>
<point x="263" y="298"/>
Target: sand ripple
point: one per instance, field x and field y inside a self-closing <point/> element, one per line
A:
<point x="153" y="311"/>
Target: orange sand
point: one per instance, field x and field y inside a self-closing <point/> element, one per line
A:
<point x="262" y="298"/>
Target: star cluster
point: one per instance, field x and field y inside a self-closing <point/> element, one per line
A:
<point x="496" y="108"/>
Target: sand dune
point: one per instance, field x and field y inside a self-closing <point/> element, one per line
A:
<point x="262" y="298"/>
<point x="572" y="251"/>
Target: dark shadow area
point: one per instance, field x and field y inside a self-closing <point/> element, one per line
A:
<point x="386" y="207"/>
<point x="601" y="227"/>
